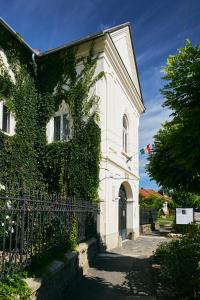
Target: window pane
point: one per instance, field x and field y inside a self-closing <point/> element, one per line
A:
<point x="57" y="128"/>
<point x="125" y="122"/>
<point x="125" y="134"/>
<point x="66" y="128"/>
<point x="6" y="119"/>
<point x="125" y="146"/>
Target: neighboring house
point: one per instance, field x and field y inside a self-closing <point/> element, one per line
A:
<point x="120" y="107"/>
<point x="145" y="193"/>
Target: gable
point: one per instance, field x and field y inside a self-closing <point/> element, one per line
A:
<point x="123" y="43"/>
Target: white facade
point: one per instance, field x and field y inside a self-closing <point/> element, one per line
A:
<point x="120" y="96"/>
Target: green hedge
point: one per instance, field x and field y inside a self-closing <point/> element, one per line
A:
<point x="180" y="266"/>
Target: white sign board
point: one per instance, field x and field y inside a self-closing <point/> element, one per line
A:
<point x="184" y="215"/>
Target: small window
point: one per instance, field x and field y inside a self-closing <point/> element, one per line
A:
<point x="125" y="134"/>
<point x="6" y="119"/>
<point x="61" y="128"/>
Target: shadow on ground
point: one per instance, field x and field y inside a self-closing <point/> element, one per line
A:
<point x="113" y="276"/>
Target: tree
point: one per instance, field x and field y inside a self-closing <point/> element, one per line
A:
<point x="186" y="199"/>
<point x="152" y="201"/>
<point x="175" y="158"/>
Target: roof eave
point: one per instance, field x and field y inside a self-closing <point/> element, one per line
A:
<point x="15" y="34"/>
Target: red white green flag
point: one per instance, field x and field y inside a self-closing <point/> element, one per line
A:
<point x="145" y="150"/>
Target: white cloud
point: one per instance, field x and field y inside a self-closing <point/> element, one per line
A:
<point x="151" y="120"/>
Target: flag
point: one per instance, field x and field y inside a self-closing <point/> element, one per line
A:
<point x="148" y="148"/>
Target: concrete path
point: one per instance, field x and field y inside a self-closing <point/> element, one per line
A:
<point x="121" y="274"/>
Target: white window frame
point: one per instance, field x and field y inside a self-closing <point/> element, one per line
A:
<point x="63" y="109"/>
<point x="61" y="138"/>
<point x="7" y="119"/>
<point x="12" y="123"/>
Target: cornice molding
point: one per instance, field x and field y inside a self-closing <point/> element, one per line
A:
<point x="108" y="159"/>
<point x="123" y="74"/>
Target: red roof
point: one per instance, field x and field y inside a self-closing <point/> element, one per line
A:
<point x="147" y="192"/>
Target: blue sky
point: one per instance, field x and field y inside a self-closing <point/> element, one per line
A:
<point x="159" y="29"/>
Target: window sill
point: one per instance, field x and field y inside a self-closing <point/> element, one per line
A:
<point x="58" y="141"/>
<point x="7" y="133"/>
<point x="125" y="154"/>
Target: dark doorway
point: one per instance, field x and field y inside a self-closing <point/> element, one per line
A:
<point x="122" y="212"/>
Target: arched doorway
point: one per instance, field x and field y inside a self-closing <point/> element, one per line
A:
<point x="122" y="212"/>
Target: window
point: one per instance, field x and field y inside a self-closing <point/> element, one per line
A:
<point x="125" y="134"/>
<point x="6" y="119"/>
<point x="61" y="127"/>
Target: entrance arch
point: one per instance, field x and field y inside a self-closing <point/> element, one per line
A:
<point x="122" y="211"/>
<point x="126" y="216"/>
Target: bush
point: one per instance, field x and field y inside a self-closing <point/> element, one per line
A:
<point x="179" y="263"/>
<point x="73" y="235"/>
<point x="152" y="201"/>
<point x="13" y="287"/>
<point x="183" y="228"/>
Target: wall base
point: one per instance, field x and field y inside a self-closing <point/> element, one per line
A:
<point x="114" y="240"/>
<point x="61" y="276"/>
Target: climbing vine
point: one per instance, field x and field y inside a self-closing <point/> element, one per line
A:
<point x="39" y="89"/>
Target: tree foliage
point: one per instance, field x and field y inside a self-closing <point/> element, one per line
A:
<point x="174" y="161"/>
<point x="185" y="199"/>
<point x="152" y="201"/>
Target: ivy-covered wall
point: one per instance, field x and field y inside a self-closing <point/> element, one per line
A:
<point x="26" y="159"/>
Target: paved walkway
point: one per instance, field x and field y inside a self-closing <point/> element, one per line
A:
<point x="122" y="274"/>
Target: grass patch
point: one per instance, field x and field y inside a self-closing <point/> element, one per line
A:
<point x="168" y="221"/>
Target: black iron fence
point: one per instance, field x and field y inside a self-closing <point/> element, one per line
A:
<point x="34" y="223"/>
<point x="148" y="215"/>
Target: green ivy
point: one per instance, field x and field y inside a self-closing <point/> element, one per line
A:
<point x="26" y="158"/>
<point x="73" y="235"/>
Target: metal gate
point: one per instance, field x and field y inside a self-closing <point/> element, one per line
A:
<point x="122" y="212"/>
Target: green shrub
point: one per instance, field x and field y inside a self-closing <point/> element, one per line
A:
<point x="179" y="265"/>
<point x="73" y="235"/>
<point x="183" y="228"/>
<point x="152" y="201"/>
<point x="13" y="287"/>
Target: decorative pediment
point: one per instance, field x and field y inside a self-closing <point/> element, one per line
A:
<point x="122" y="40"/>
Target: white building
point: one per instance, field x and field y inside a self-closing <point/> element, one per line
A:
<point x="120" y="108"/>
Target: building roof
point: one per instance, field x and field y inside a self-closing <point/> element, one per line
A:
<point x="78" y="42"/>
<point x="15" y="34"/>
<point x="67" y="45"/>
<point x="147" y="192"/>
<point x="86" y="38"/>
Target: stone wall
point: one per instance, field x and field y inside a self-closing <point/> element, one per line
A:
<point x="145" y="229"/>
<point x="61" y="276"/>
